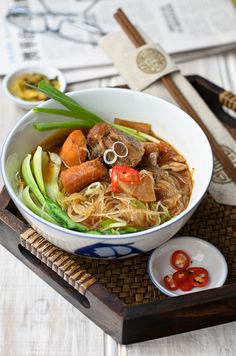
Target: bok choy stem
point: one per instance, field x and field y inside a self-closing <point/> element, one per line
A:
<point x="37" y="168"/>
<point x="33" y="207"/>
<point x="57" y="214"/>
<point x="30" y="181"/>
<point x="51" y="163"/>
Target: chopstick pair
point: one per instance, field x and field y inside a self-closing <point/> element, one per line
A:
<point x="180" y="99"/>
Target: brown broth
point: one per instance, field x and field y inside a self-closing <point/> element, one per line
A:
<point x="55" y="141"/>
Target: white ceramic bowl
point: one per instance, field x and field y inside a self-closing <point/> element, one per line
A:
<point x="168" y="122"/>
<point x="202" y="254"/>
<point x="50" y="72"/>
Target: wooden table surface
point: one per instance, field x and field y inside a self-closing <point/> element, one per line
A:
<point x="36" y="321"/>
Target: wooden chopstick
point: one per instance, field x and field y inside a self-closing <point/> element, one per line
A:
<point x="168" y="82"/>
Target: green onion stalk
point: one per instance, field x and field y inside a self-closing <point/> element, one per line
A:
<point x="84" y="118"/>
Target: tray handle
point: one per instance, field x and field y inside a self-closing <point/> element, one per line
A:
<point x="216" y="98"/>
<point x="64" y="264"/>
<point x="228" y="99"/>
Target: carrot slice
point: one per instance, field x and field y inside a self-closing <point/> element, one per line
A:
<point x="139" y="126"/>
<point x="74" y="149"/>
<point x="80" y="176"/>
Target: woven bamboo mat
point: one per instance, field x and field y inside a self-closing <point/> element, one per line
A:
<point x="128" y="278"/>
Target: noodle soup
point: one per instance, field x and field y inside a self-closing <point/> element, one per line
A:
<point x="127" y="191"/>
<point x="109" y="182"/>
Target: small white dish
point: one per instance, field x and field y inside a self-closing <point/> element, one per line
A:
<point x="50" y="72"/>
<point x="201" y="253"/>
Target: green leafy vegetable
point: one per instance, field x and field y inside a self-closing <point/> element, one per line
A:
<point x="129" y="229"/>
<point x="111" y="224"/>
<point x="111" y="232"/>
<point x="33" y="207"/>
<point x="166" y="214"/>
<point x="153" y="205"/>
<point x="138" y="204"/>
<point x="94" y="232"/>
<point x="62" y="218"/>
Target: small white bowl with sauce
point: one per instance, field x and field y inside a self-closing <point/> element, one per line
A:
<point x="50" y="72"/>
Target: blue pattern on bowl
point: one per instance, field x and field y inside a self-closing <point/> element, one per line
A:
<point x="102" y="250"/>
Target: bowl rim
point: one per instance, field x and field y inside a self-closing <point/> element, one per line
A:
<point x="26" y="69"/>
<point x="88" y="235"/>
<point x="163" y="289"/>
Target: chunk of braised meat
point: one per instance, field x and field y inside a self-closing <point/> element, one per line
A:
<point x="174" y="166"/>
<point x="172" y="161"/>
<point x="102" y="136"/>
<point x="151" y="154"/>
<point x="173" y="189"/>
<point x="80" y="176"/>
<point x="170" y="156"/>
<point x="142" y="190"/>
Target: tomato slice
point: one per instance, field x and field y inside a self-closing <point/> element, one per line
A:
<point x="180" y="260"/>
<point x="186" y="285"/>
<point x="170" y="283"/>
<point x="124" y="174"/>
<point x="199" y="276"/>
<point x="180" y="276"/>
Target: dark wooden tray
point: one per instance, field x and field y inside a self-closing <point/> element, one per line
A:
<point x="118" y="295"/>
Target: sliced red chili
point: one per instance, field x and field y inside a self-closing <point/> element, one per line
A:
<point x="180" y="276"/>
<point x="186" y="285"/>
<point x="127" y="174"/>
<point x="124" y="174"/>
<point x="193" y="269"/>
<point x="199" y="276"/>
<point x="179" y="260"/>
<point x="114" y="181"/>
<point x="170" y="283"/>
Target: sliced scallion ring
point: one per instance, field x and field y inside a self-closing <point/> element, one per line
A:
<point x="93" y="188"/>
<point x="105" y="156"/>
<point x="123" y="145"/>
